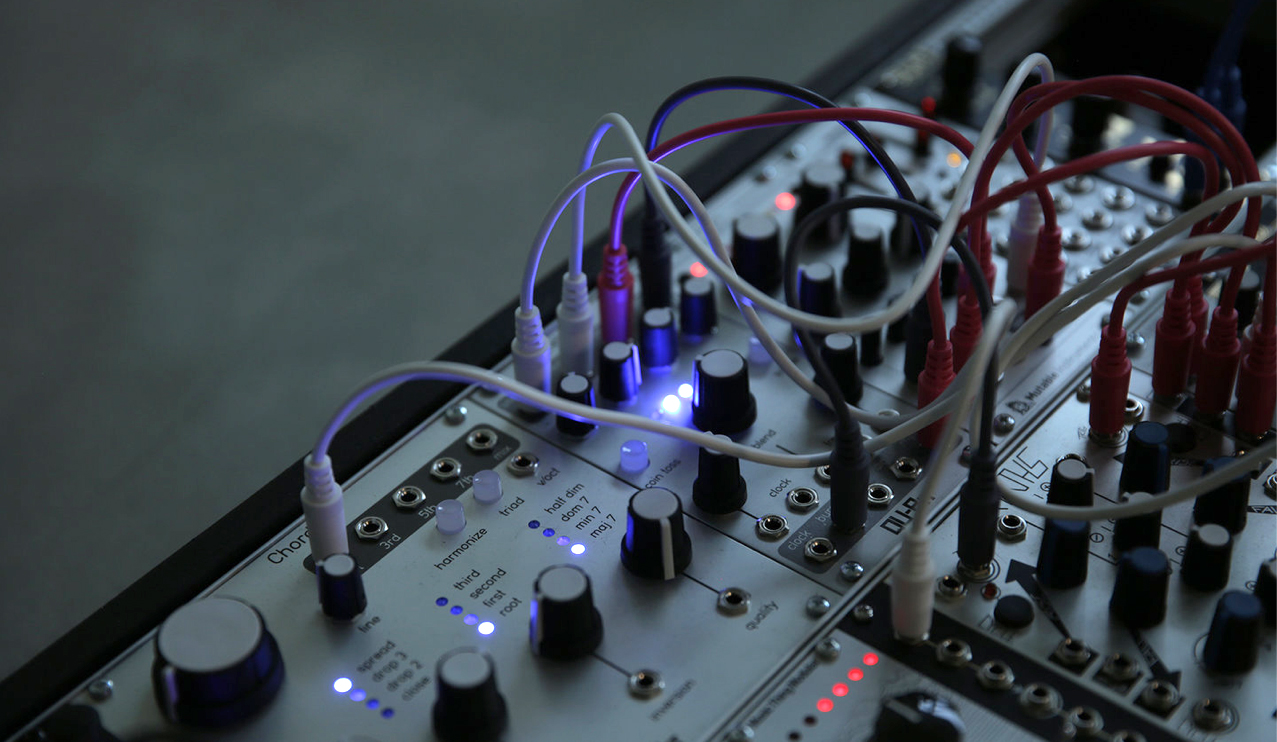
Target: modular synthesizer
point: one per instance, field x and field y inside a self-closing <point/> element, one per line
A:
<point x="654" y="520"/>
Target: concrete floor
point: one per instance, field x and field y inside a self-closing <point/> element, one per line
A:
<point x="216" y="218"/>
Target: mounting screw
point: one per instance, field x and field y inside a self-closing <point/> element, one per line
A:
<point x="101" y="690"/>
<point x="906" y="468"/>
<point x="822" y="474"/>
<point x="862" y="614"/>
<point x="456" y="414"/>
<point x="1084" y="392"/>
<point x="964" y="458"/>
<point x="1003" y="423"/>
<point x="851" y="571"/>
<point x="1134" y="342"/>
<point x="1270" y="486"/>
<point x="828" y="649"/>
<point x="817" y="606"/>
<point x="742" y="733"/>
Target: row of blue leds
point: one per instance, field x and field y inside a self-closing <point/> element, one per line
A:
<point x="578" y="548"/>
<point x="346" y="687"/>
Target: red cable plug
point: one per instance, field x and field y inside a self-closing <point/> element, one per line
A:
<point x="1046" y="271"/>
<point x="616" y="295"/>
<point x="1173" y="347"/>
<point x="936" y="376"/>
<point x="1201" y="310"/>
<point x="966" y="331"/>
<point x="1257" y="384"/>
<point x="987" y="266"/>
<point x="1219" y="355"/>
<point x="1110" y="383"/>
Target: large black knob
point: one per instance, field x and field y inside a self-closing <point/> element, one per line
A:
<point x="1072" y="483"/>
<point x="1232" y="645"/>
<point x="697" y="309"/>
<point x="468" y="707"/>
<point x="575" y="388"/>
<point x="656" y="546"/>
<point x="839" y="353"/>
<point x="1139" y="593"/>
<point x="1138" y="530"/>
<point x="1064" y="553"/>
<point x="1266" y="589"/>
<point x="866" y="274"/>
<point x="1226" y="504"/>
<point x="215" y="663"/>
<point x="756" y="251"/>
<point x="961" y="65"/>
<point x="341" y="587"/>
<point x="1146" y="465"/>
<point x="917" y="716"/>
<point x="565" y="623"/>
<point x="619" y="373"/>
<point x="822" y="184"/>
<point x="1208" y="557"/>
<point x="721" y="402"/>
<point x="658" y="338"/>
<point x="818" y="290"/>
<point x="719" y="488"/>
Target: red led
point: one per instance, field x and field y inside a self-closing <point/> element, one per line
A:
<point x="825" y="705"/>
<point x="929" y="107"/>
<point x="785" y="201"/>
<point x="841" y="689"/>
<point x="698" y="270"/>
<point x="855" y="674"/>
<point x="870" y="659"/>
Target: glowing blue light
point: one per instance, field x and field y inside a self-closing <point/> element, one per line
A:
<point x="578" y="549"/>
<point x="387" y="713"/>
<point x="441" y="601"/>
<point x="671" y="405"/>
<point x="534" y="524"/>
<point x="471" y="619"/>
<point x="487" y="627"/>
<point x="456" y="610"/>
<point x="685" y="391"/>
<point x="358" y="695"/>
<point x="548" y="532"/>
<point x="563" y="540"/>
<point x="373" y="703"/>
<point x="342" y="685"/>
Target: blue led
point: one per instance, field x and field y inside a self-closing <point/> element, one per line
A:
<point x="563" y="540"/>
<point x="342" y="685"/>
<point x="441" y="601"/>
<point x="373" y="703"/>
<point x="578" y="549"/>
<point x="534" y="524"/>
<point x="487" y="627"/>
<point x="548" y="532"/>
<point x="456" y="610"/>
<point x="471" y="619"/>
<point x="358" y="695"/>
<point x="387" y="713"/>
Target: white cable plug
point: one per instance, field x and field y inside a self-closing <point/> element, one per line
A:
<point x="530" y="350"/>
<point x="323" y="509"/>
<point x="1022" y="240"/>
<point x="576" y="326"/>
<point x="913" y="589"/>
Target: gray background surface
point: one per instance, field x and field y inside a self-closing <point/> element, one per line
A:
<point x="217" y="218"/>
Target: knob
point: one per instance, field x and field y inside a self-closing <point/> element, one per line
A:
<point x="341" y="587"/>
<point x="818" y="290"/>
<point x="1266" y="589"/>
<point x="719" y="488"/>
<point x="721" y="402"/>
<point x="961" y="65"/>
<point x="871" y="347"/>
<point x="1226" y="504"/>
<point x="1138" y="530"/>
<point x="1208" y="556"/>
<point x="619" y="374"/>
<point x="215" y="663"/>
<point x="1072" y="483"/>
<point x="866" y="274"/>
<point x="565" y="623"/>
<point x="1146" y="466"/>
<point x="658" y="338"/>
<point x="468" y="707"/>
<point x="1139" y="593"/>
<point x="487" y="486"/>
<point x="839" y="353"/>
<point x="450" y="517"/>
<point x="917" y="715"/>
<point x="896" y="330"/>
<point x="697" y="308"/>
<point x="1064" y="553"/>
<point x="1232" y="645"/>
<point x="655" y="546"/>
<point x="756" y="251"/>
<point x="1089" y="121"/>
<point x="1158" y="168"/>
<point x="904" y="239"/>
<point x="574" y="388"/>
<point x="822" y="184"/>
<point x="917" y="336"/>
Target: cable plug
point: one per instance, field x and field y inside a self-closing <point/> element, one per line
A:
<point x="987" y="266"/>
<point x="966" y="331"/>
<point x="1110" y="383"/>
<point x="654" y="263"/>
<point x="913" y="584"/>
<point x="576" y="326"/>
<point x="1046" y="271"/>
<point x="530" y="350"/>
<point x="616" y="295"/>
<point x="917" y="336"/>
<point x="849" y="479"/>
<point x="323" y="508"/>
<point x="936" y="376"/>
<point x="1200" y="313"/>
<point x="1023" y="242"/>
<point x="1257" y="383"/>
<point x="1220" y="353"/>
<point x="1173" y="347"/>
<point x="978" y="505"/>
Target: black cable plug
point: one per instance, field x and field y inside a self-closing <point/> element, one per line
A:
<point x="849" y="479"/>
<point x="655" y="265"/>
<point x="978" y="506"/>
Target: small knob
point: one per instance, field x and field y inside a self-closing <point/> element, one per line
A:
<point x="565" y="623"/>
<point x="1072" y="483"/>
<point x="1138" y="530"/>
<point x="1266" y="589"/>
<point x="574" y="388"/>
<point x="619" y="374"/>
<point x="1208" y="557"/>
<point x="1158" y="168"/>
<point x="1226" y="504"/>
<point x="487" y="486"/>
<point x="1064" y="553"/>
<point x="1146" y="466"/>
<point x="721" y="402"/>
<point x="961" y="65"/>
<point x="871" y="347"/>
<point x="450" y="517"/>
<point x="822" y="184"/>
<point x="1139" y="593"/>
<point x="866" y="274"/>
<point x="904" y="239"/>
<point x="215" y="663"/>
<point x="697" y="307"/>
<point x="756" y="251"/>
<point x="818" y="290"/>
<point x="918" y="716"/>
<point x="917" y="336"/>
<point x="1089" y="121"/>
<point x="719" y="488"/>
<point x="656" y="546"/>
<point x="341" y="587"/>
<point x="468" y="707"/>
<point x="658" y="338"/>
<point x="1232" y="645"/>
<point x="839" y="353"/>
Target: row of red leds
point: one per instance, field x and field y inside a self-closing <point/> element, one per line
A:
<point x="825" y="705"/>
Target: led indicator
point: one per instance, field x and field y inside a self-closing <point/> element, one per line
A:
<point x="487" y="627"/>
<point x="563" y="541"/>
<point x="471" y="619"/>
<point x="870" y="659"/>
<point x="456" y="610"/>
<point x="855" y="674"/>
<point x="534" y="524"/>
<point x="671" y="404"/>
<point x="342" y="685"/>
<point x="841" y="689"/>
<point x="698" y="269"/>
<point x="685" y="391"/>
<point x="358" y="695"/>
<point x="388" y="713"/>
<point x="578" y="549"/>
<point x="548" y="532"/>
<point x="373" y="703"/>
<point x="825" y="705"/>
<point x="954" y="159"/>
<point x="441" y="601"/>
<point x="785" y="201"/>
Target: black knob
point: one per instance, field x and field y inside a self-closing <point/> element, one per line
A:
<point x="818" y="290"/>
<point x="1158" y="167"/>
<point x="655" y="546"/>
<point x="1089" y="121"/>
<point x="961" y="65"/>
<point x="1247" y="300"/>
<point x="1266" y="589"/>
<point x="871" y="347"/>
<point x="896" y="331"/>
<point x="917" y="716"/>
<point x="658" y="338"/>
<point x="719" y="488"/>
<point x="839" y="353"/>
<point x="866" y="274"/>
<point x="721" y="402"/>
<point x="1139" y="593"/>
<point x="565" y="623"/>
<point x="71" y="723"/>
<point x="1064" y="553"/>
<point x="1226" y="504"/>
<point x="1232" y="645"/>
<point x="468" y="705"/>
<point x="904" y="239"/>
<point x="215" y="663"/>
<point x="1208" y="557"/>
<point x="1146" y="465"/>
<point x="575" y="388"/>
<point x="1072" y="483"/>
<point x="619" y="374"/>
<point x="756" y="251"/>
<point x="950" y="269"/>
<point x="1138" y="530"/>
<point x="697" y="309"/>
<point x="341" y="587"/>
<point x="917" y="336"/>
<point x="822" y="184"/>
